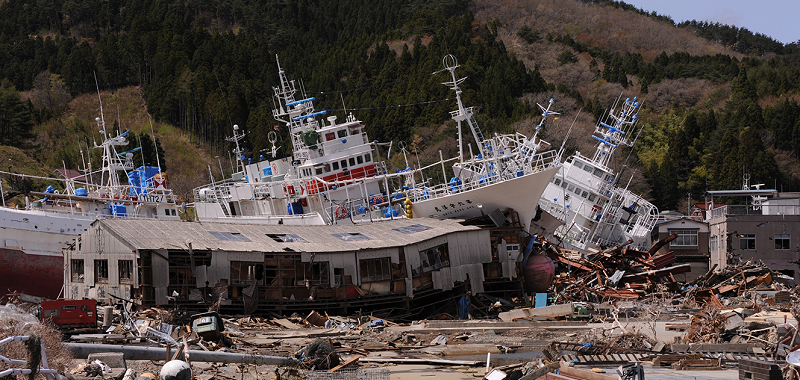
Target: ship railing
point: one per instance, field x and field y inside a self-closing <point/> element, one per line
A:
<point x="572" y="234"/>
<point x="763" y="209"/>
<point x="557" y="210"/>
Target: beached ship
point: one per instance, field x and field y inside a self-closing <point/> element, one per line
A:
<point x="335" y="174"/>
<point x="587" y="204"/>
<point x="32" y="238"/>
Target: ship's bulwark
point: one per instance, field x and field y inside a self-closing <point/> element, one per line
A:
<point x="36" y="275"/>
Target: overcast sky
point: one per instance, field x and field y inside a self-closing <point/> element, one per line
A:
<point x="779" y="19"/>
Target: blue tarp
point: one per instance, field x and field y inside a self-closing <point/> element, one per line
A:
<point x="138" y="178"/>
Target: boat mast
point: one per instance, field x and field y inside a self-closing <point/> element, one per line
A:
<point x="461" y="114"/>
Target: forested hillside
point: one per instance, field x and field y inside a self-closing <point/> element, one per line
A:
<point x="712" y="111"/>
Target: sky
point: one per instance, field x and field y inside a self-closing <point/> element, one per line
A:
<point x="778" y="19"/>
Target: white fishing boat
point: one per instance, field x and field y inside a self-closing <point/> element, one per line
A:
<point x="336" y="175"/>
<point x="587" y="205"/>
<point x="32" y="238"/>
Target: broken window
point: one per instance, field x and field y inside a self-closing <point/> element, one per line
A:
<point x="125" y="271"/>
<point x="747" y="242"/>
<point x="686" y="238"/>
<point x="434" y="258"/>
<point x="783" y="241"/>
<point x="353" y="236"/>
<point x="76" y="266"/>
<point x="287" y="238"/>
<point x="101" y="271"/>
<point x="375" y="269"/>
<point x="313" y="274"/>
<point x="246" y="272"/>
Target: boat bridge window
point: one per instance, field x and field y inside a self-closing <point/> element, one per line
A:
<point x="342" y="133"/>
<point x="335" y="166"/>
<point x="375" y="269"/>
<point x="319" y="170"/>
<point x="229" y="236"/>
<point x="76" y="266"/>
<point x="344" y="163"/>
<point x="570" y="187"/>
<point x="587" y="169"/>
<point x="353" y="236"/>
<point x="359" y="160"/>
<point x="352" y="161"/>
<point x="585" y="194"/>
<point x="287" y="238"/>
<point x="327" y="167"/>
<point x="367" y="157"/>
<point x="577" y="165"/>
<point x="591" y="197"/>
<point x="577" y="191"/>
<point x="557" y="181"/>
<point x="598" y="173"/>
<point x="355" y="131"/>
<point x="101" y="271"/>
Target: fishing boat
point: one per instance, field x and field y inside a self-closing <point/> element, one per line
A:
<point x="587" y="205"/>
<point x="32" y="238"/>
<point x="335" y="174"/>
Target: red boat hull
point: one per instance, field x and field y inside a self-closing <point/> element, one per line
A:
<point x="36" y="275"/>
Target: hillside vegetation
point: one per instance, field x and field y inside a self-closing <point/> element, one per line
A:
<point x="711" y="112"/>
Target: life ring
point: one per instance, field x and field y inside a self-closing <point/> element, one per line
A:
<point x="341" y="212"/>
<point x="377" y="199"/>
<point x="288" y="190"/>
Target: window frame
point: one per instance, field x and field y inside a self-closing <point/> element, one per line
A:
<point x="746" y="239"/>
<point x="783" y="242"/>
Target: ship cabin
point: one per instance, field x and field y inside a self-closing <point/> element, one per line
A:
<point x="585" y="186"/>
<point x="401" y="265"/>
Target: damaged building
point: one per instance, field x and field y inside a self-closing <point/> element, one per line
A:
<point x="406" y="264"/>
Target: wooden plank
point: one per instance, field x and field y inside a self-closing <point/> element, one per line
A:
<point x="345" y="364"/>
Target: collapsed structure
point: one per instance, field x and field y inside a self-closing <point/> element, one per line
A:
<point x="404" y="264"/>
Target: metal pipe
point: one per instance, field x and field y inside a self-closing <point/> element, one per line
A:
<point x="82" y="351"/>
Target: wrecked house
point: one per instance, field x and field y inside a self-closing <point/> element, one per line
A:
<point x="689" y="247"/>
<point x="406" y="264"/>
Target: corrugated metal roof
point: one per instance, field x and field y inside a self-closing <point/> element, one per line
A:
<point x="167" y="234"/>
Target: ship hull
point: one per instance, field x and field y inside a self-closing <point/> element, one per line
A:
<point x="31" y="261"/>
<point x="521" y="194"/>
<point x="36" y="275"/>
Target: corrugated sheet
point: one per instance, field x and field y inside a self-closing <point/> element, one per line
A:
<point x="164" y="234"/>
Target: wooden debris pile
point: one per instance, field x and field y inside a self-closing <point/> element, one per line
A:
<point x="615" y="273"/>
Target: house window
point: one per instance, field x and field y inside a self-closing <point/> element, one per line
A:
<point x="686" y="238"/>
<point x="375" y="269"/>
<point x="712" y="244"/>
<point x="77" y="270"/>
<point x="125" y="271"/>
<point x="313" y="274"/>
<point x="246" y="272"/>
<point x="434" y="258"/>
<point x="747" y="242"/>
<point x="783" y="241"/>
<point x="101" y="271"/>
